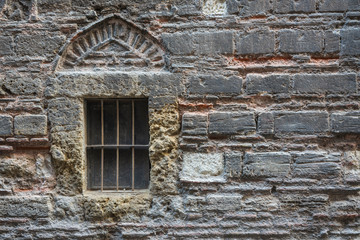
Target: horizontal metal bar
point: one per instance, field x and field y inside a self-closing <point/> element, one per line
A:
<point x="118" y="146"/>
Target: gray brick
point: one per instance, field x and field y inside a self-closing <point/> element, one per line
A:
<point x="293" y="6"/>
<point x="350" y="42"/>
<point x="332" y="42"/>
<point x="179" y="43"/>
<point x="6" y="125"/>
<point x="333" y="6"/>
<point x="256" y="83"/>
<point x="224" y="202"/>
<point x="5" y="46"/>
<point x="214" y="43"/>
<point x="209" y="84"/>
<point x="232" y="6"/>
<point x="228" y="123"/>
<point x="254" y="8"/>
<point x="24" y="207"/>
<point x="38" y="45"/>
<point x="30" y="125"/>
<point x="269" y="164"/>
<point x="301" y="41"/>
<point x="325" y="83"/>
<point x="307" y="122"/>
<point x="256" y="43"/>
<point x="345" y="122"/>
<point x="316" y="165"/>
<point x="233" y="164"/>
<point x="265" y="123"/>
<point x="194" y="124"/>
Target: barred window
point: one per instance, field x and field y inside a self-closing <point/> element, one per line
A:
<point x="117" y="144"/>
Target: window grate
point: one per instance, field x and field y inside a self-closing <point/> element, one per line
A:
<point x="117" y="144"/>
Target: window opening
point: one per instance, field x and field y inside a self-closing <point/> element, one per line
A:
<point x="117" y="146"/>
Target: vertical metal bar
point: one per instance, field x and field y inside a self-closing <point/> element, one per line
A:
<point x="133" y="143"/>
<point x="102" y="143"/>
<point x="117" y="143"/>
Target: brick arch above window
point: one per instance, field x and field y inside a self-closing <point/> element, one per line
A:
<point x="111" y="43"/>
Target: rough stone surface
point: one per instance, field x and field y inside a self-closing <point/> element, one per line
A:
<point x="30" y="125"/>
<point x="265" y="123"/>
<point x="267" y="84"/>
<point x="256" y="43"/>
<point x="350" y="43"/>
<point x="289" y="6"/>
<point x="228" y="123"/>
<point x="194" y="124"/>
<point x="37" y="45"/>
<point x="6" y="125"/>
<point x="208" y="84"/>
<point x="345" y="122"/>
<point x="5" y="46"/>
<point x="233" y="164"/>
<point x="301" y="41"/>
<point x="214" y="43"/>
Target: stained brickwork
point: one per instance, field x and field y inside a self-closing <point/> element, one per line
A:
<point x="254" y="117"/>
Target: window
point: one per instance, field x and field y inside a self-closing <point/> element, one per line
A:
<point x="117" y="144"/>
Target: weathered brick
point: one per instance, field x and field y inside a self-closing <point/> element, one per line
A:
<point x="298" y="41"/>
<point x="254" y="8"/>
<point x="307" y="122"/>
<point x="6" y="125"/>
<point x="30" y="125"/>
<point x="256" y="43"/>
<point x="332" y="42"/>
<point x="333" y="6"/>
<point x="210" y="84"/>
<point x="211" y="43"/>
<point x="265" y="123"/>
<point x="5" y="46"/>
<point x="325" y="83"/>
<point x="38" y="45"/>
<point x="256" y="83"/>
<point x="178" y="43"/>
<point x="350" y="41"/>
<point x="224" y="202"/>
<point x="228" y="123"/>
<point x="292" y="6"/>
<point x="269" y="164"/>
<point x="316" y="165"/>
<point x="24" y="207"/>
<point x="345" y="122"/>
<point x="233" y="164"/>
<point x="194" y="124"/>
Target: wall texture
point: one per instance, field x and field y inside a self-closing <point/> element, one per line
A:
<point x="254" y="111"/>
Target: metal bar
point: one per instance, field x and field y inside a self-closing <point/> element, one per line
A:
<point x="117" y="146"/>
<point x="117" y="142"/>
<point x="102" y="143"/>
<point x="132" y="143"/>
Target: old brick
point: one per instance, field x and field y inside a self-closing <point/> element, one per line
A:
<point x="256" y="43"/>
<point x="269" y="164"/>
<point x="211" y="43"/>
<point x="325" y="83"/>
<point x="224" y="202"/>
<point x="333" y="6"/>
<point x="265" y="123"/>
<point x="332" y="42"/>
<point x="292" y="6"/>
<point x="350" y="41"/>
<point x="256" y="83"/>
<point x="38" y="45"/>
<point x="179" y="43"/>
<point x="6" y="125"/>
<point x="298" y="41"/>
<point x="307" y="122"/>
<point x="210" y="84"/>
<point x="228" y="123"/>
<point x="5" y="46"/>
<point x="316" y="165"/>
<point x="345" y="122"/>
<point x="30" y="125"/>
<point x="194" y="124"/>
<point x="233" y="164"/>
<point x="24" y="207"/>
<point x="254" y="8"/>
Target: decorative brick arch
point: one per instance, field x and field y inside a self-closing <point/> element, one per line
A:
<point x="111" y="43"/>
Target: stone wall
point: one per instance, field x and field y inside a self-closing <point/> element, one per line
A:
<point x="254" y="117"/>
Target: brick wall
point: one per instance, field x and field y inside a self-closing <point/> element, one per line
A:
<point x="254" y="117"/>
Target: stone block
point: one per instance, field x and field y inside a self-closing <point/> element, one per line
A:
<point x="294" y="6"/>
<point x="306" y="122"/>
<point x="210" y="84"/>
<point x="202" y="167"/>
<point x="256" y="43"/>
<point x="212" y="43"/>
<point x="332" y="42"/>
<point x="30" y="125"/>
<point x="273" y="84"/>
<point x="265" y="123"/>
<point x="194" y="124"/>
<point x="32" y="207"/>
<point x="254" y="8"/>
<point x="22" y="84"/>
<point x="178" y="43"/>
<point x="333" y="6"/>
<point x="268" y="164"/>
<point x="325" y="83"/>
<point x="316" y="165"/>
<point x="229" y="123"/>
<point x="224" y="202"/>
<point x="233" y="164"/>
<point x="350" y="42"/>
<point x="345" y="122"/>
<point x="6" y="125"/>
<point x="5" y="46"/>
<point x="297" y="41"/>
<point x="38" y="45"/>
